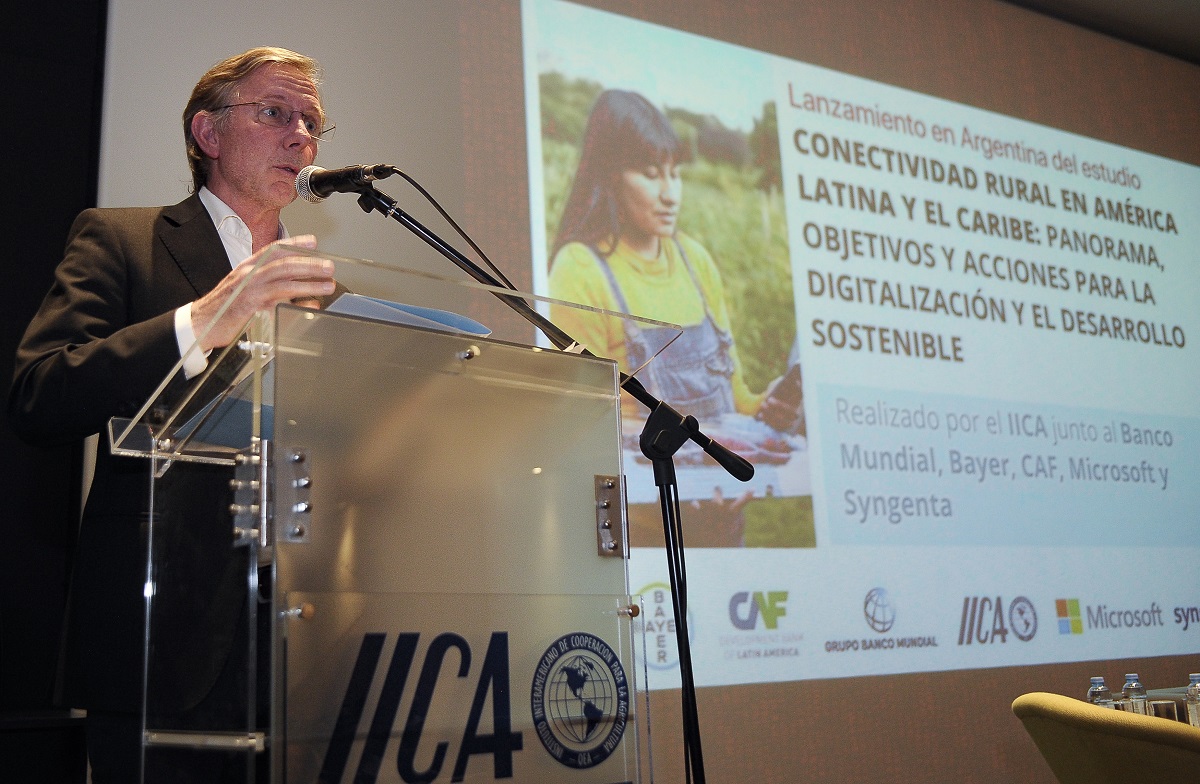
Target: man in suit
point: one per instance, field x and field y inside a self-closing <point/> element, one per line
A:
<point x="134" y="290"/>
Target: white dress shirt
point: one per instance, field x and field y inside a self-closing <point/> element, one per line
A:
<point x="239" y="246"/>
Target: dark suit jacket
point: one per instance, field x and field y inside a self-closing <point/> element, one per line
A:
<point x="99" y="345"/>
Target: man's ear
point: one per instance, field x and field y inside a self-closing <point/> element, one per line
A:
<point x="204" y="128"/>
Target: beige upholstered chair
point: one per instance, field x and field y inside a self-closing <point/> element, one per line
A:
<point x="1084" y="744"/>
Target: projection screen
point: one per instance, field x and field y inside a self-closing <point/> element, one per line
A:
<point x="962" y="239"/>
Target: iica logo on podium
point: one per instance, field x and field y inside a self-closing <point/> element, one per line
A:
<point x="579" y="700"/>
<point x="436" y="711"/>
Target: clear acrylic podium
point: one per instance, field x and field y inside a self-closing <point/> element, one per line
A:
<point x="389" y="552"/>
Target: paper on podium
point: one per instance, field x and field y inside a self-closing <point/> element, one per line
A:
<point x="413" y="315"/>
<point x="226" y="420"/>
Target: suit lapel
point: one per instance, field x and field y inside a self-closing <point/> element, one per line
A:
<point x="188" y="233"/>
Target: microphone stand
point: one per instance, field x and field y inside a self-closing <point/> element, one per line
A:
<point x="666" y="430"/>
<point x="664" y="433"/>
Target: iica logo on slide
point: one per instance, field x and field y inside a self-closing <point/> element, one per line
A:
<point x="1070" y="619"/>
<point x="985" y="621"/>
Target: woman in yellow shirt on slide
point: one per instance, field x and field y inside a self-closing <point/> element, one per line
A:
<point x="618" y="248"/>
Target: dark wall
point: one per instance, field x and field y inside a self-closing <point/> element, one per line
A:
<point x="55" y="59"/>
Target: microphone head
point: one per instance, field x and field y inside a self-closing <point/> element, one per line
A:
<point x="303" y="187"/>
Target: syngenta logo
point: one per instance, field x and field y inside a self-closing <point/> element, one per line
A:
<point x="745" y="609"/>
<point x="1187" y="617"/>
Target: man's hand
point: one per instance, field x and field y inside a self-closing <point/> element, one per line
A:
<point x="280" y="280"/>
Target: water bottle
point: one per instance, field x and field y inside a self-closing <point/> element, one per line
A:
<point x="1135" y="694"/>
<point x="1101" y="696"/>
<point x="1193" y="699"/>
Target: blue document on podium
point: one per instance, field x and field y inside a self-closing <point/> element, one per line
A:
<point x="225" y="421"/>
<point x="412" y="315"/>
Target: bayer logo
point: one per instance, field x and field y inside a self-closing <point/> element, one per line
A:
<point x="878" y="610"/>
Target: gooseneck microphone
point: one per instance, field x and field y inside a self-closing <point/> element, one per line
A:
<point x="315" y="184"/>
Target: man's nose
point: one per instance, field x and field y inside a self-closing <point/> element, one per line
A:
<point x="297" y="130"/>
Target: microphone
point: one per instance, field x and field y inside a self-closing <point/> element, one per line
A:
<point x="315" y="184"/>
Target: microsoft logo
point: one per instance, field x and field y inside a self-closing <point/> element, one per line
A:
<point x="1070" y="620"/>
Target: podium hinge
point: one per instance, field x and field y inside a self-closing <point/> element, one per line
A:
<point x="610" y="517"/>
<point x="248" y="497"/>
<point x="293" y="508"/>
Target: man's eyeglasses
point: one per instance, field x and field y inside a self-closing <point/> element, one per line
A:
<point x="277" y="115"/>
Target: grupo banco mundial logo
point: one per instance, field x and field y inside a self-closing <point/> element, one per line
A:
<point x="879" y="611"/>
<point x="580" y="700"/>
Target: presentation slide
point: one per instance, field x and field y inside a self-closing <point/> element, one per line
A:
<point x="989" y="324"/>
